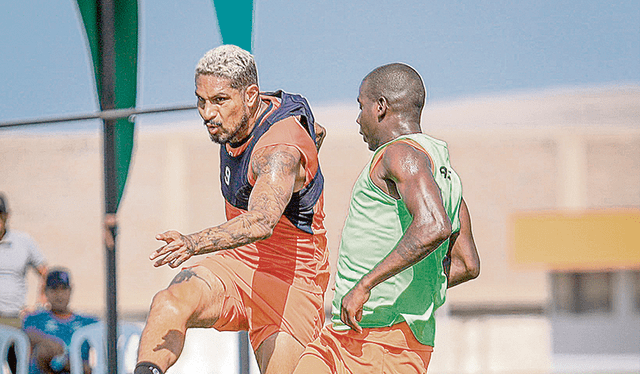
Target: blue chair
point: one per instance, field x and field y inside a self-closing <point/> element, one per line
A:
<point x="95" y="334"/>
<point x="11" y="335"/>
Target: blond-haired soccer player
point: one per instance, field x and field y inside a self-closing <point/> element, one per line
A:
<point x="267" y="268"/>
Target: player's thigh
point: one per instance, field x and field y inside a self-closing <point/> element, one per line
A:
<point x="279" y="353"/>
<point x="312" y="363"/>
<point x="406" y="361"/>
<point x="200" y="293"/>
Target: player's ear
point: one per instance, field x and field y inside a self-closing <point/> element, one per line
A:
<point x="251" y="95"/>
<point x="382" y="106"/>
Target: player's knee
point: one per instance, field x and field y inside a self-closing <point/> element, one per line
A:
<point x="192" y="296"/>
<point x="167" y="302"/>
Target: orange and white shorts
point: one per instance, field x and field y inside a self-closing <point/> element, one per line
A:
<point x="264" y="304"/>
<point x="381" y="350"/>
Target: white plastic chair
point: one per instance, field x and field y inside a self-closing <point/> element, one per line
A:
<point x="95" y="334"/>
<point x="11" y="335"/>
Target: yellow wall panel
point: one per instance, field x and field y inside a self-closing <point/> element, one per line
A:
<point x="589" y="240"/>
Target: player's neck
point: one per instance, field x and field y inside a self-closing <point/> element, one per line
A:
<point x="404" y="126"/>
<point x="253" y="122"/>
<point x="394" y="132"/>
<point x="62" y="314"/>
<point x="262" y="106"/>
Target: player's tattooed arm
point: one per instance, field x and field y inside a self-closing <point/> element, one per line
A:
<point x="275" y="169"/>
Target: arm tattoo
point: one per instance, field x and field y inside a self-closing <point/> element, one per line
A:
<point x="190" y="244"/>
<point x="275" y="170"/>
<point x="280" y="161"/>
<point x="272" y="200"/>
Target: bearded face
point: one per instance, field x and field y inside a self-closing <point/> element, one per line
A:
<point x="223" y="109"/>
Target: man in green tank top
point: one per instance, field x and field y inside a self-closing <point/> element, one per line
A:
<point x="407" y="238"/>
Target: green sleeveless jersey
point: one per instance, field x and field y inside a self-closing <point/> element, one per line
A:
<point x="375" y="224"/>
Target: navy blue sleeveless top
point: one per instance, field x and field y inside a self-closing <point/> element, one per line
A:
<point x="234" y="170"/>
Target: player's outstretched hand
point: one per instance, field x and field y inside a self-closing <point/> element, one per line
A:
<point x="351" y="308"/>
<point x="179" y="248"/>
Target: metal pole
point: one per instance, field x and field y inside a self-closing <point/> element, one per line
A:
<point x="110" y="114"/>
<point x="243" y="356"/>
<point x="106" y="25"/>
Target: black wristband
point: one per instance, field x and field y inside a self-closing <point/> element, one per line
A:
<point x="147" y="368"/>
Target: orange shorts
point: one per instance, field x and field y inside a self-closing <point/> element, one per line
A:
<point x="375" y="351"/>
<point x="264" y="304"/>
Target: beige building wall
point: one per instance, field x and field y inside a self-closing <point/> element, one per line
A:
<point x="529" y="152"/>
<point x="542" y="151"/>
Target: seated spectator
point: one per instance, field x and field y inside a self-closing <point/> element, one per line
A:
<point x="50" y="331"/>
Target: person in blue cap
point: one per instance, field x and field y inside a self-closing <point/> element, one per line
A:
<point x="50" y="331"/>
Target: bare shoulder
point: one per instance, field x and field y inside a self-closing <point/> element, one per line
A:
<point x="402" y="159"/>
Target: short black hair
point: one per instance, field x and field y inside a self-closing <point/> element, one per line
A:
<point x="399" y="84"/>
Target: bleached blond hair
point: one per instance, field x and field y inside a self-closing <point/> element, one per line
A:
<point x="230" y="62"/>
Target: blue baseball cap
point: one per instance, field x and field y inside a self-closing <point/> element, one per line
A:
<point x="57" y="278"/>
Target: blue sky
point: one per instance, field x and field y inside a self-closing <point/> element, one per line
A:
<point x="322" y="49"/>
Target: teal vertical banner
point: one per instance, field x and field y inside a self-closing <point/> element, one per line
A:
<point x="126" y="69"/>
<point x="235" y="19"/>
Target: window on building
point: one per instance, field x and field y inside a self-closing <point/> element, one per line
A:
<point x="583" y="293"/>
